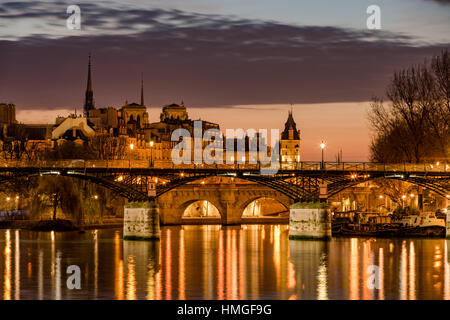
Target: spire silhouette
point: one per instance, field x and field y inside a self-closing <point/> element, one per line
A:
<point x="142" y="89"/>
<point x="89" y="97"/>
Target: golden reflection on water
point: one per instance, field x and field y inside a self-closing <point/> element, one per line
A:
<point x="412" y="272"/>
<point x="381" y="274"/>
<point x="131" y="278"/>
<point x="118" y="270"/>
<point x="354" y="269"/>
<point x="216" y="262"/>
<point x="7" y="279"/>
<point x="181" y="262"/>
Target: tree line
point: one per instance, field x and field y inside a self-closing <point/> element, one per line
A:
<point x="414" y="125"/>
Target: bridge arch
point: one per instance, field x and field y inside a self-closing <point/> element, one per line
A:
<point x="339" y="186"/>
<point x="201" y="208"/>
<point x="119" y="188"/>
<point x="264" y="206"/>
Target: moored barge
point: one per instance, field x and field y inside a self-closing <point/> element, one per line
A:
<point x="373" y="225"/>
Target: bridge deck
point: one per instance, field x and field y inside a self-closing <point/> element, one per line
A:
<point x="142" y="165"/>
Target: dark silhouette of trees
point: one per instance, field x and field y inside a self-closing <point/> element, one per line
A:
<point x="415" y="125"/>
<point x="68" y="150"/>
<point x="108" y="147"/>
<point x="14" y="149"/>
<point x="54" y="193"/>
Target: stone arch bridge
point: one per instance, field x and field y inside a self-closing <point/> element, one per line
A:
<point x="230" y="199"/>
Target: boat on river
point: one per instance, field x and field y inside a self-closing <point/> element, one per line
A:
<point x="427" y="225"/>
<point x="373" y="225"/>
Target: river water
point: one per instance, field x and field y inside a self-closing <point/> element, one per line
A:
<point x="215" y="262"/>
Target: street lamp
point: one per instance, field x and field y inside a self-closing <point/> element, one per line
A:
<point x="151" y="153"/>
<point x="403" y="201"/>
<point x="129" y="159"/>
<point x="322" y="146"/>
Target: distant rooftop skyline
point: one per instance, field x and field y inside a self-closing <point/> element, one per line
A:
<point x="220" y="57"/>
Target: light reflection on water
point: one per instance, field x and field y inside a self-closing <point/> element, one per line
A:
<point x="215" y="262"/>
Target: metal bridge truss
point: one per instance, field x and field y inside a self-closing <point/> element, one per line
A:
<point x="299" y="185"/>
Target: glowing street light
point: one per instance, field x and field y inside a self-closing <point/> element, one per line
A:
<point x="131" y="146"/>
<point x="151" y="153"/>
<point x="322" y="146"/>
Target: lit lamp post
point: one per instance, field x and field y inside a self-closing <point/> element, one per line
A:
<point x="322" y="146"/>
<point x="403" y="201"/>
<point x="129" y="159"/>
<point x="151" y="153"/>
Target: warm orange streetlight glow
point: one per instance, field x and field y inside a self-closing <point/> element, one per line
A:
<point x="322" y="145"/>
<point x="151" y="144"/>
<point x="403" y="197"/>
<point x="131" y="146"/>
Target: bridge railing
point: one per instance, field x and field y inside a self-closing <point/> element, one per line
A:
<point x="301" y="166"/>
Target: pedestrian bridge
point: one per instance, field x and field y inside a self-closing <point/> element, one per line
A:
<point x="300" y="181"/>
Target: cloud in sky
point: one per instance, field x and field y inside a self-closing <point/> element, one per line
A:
<point x="443" y="2"/>
<point x="207" y="60"/>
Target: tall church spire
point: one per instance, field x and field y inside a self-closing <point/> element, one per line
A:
<point x="89" y="97"/>
<point x="142" y="89"/>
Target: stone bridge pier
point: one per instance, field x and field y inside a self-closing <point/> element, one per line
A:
<point x="230" y="199"/>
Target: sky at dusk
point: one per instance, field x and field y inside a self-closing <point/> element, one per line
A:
<point x="238" y="63"/>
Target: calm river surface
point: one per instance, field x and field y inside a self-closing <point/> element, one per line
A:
<point x="215" y="262"/>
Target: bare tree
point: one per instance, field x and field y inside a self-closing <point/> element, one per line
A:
<point x="414" y="127"/>
<point x="108" y="147"/>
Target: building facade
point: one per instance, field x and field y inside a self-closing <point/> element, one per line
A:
<point x="290" y="142"/>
